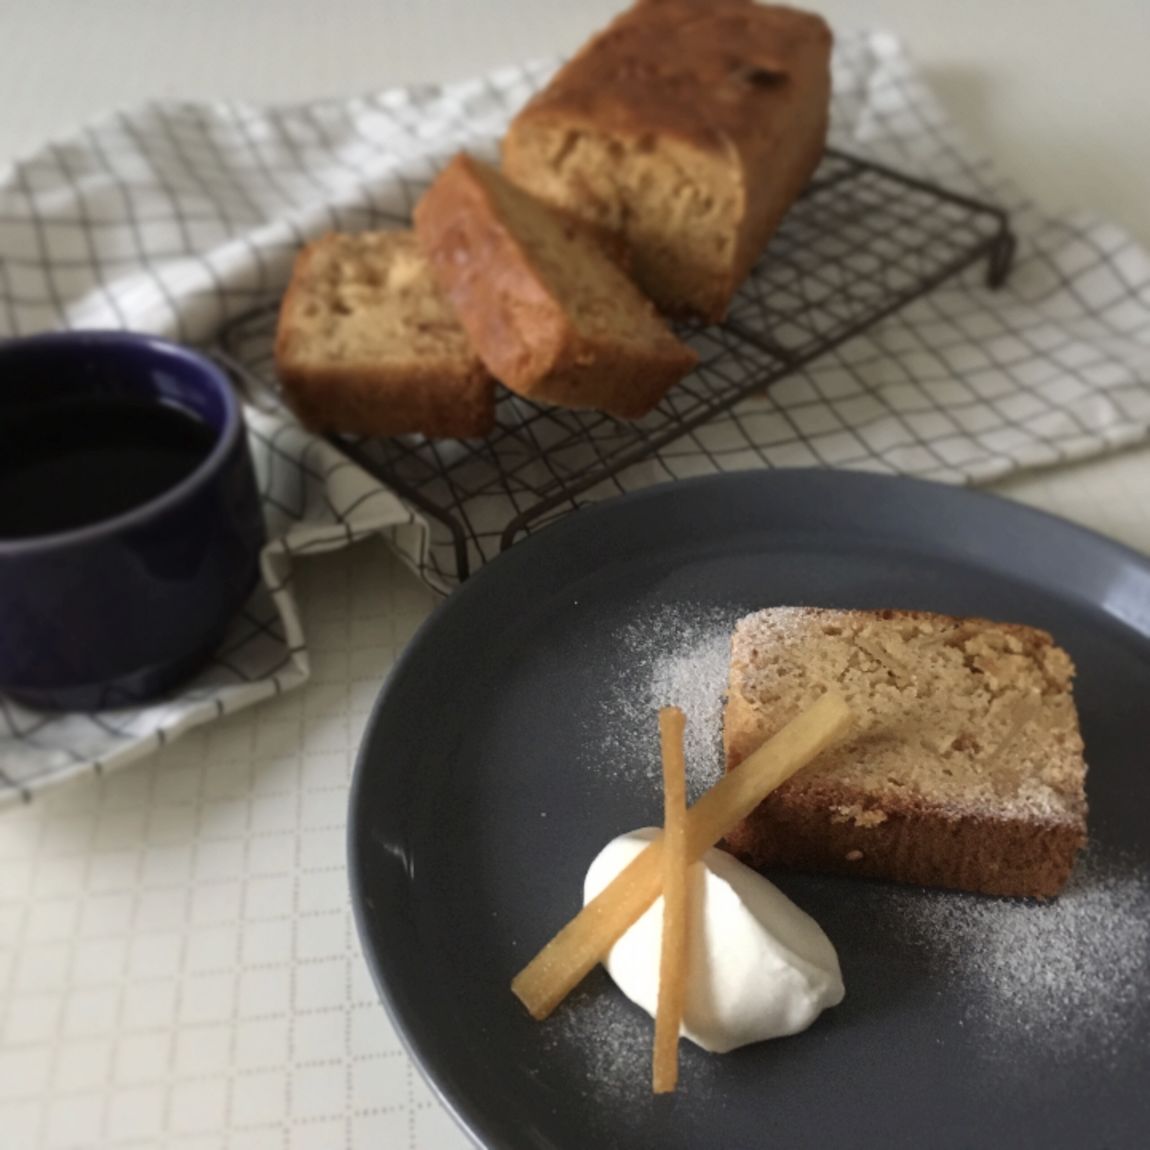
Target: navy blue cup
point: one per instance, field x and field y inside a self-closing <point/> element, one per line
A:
<point x="121" y="610"/>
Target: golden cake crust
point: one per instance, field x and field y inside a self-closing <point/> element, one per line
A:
<point x="646" y="71"/>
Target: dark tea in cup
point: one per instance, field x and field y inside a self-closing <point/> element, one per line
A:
<point x="83" y="460"/>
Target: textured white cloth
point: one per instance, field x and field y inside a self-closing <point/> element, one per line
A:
<point x="177" y="219"/>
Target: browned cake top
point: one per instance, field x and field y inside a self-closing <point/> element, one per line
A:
<point x="647" y="71"/>
<point x="961" y="715"/>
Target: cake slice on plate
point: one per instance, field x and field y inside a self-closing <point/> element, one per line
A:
<point x="966" y="767"/>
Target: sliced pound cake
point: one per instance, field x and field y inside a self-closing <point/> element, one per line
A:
<point x="368" y="344"/>
<point x="687" y="128"/>
<point x="549" y="313"/>
<point x="966" y="766"/>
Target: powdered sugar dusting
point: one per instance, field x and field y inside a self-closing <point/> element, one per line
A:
<point x="677" y="656"/>
<point x="1072" y="975"/>
<point x="609" y="1042"/>
<point x="602" y="1045"/>
<point x="1070" y="979"/>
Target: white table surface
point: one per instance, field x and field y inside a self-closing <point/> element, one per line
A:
<point x="178" y="963"/>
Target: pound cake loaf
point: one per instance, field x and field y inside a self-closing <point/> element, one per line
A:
<point x="965" y="769"/>
<point x="688" y="127"/>
<point x="548" y="312"/>
<point x="367" y="344"/>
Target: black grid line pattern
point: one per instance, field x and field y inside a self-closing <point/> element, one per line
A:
<point x="179" y="219"/>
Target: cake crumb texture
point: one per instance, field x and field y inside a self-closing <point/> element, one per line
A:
<point x="367" y="343"/>
<point x="965" y="768"/>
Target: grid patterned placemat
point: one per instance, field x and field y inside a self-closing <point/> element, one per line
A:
<point x="178" y="218"/>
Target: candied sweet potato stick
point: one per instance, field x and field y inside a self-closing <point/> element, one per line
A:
<point x="574" y="952"/>
<point x="676" y="905"/>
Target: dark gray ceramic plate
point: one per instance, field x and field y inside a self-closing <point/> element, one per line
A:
<point x="490" y="775"/>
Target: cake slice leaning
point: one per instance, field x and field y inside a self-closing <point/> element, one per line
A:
<point x="965" y="769"/>
<point x="550" y="315"/>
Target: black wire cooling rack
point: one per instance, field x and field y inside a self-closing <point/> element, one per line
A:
<point x="862" y="242"/>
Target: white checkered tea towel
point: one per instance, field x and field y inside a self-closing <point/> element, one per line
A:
<point x="177" y="218"/>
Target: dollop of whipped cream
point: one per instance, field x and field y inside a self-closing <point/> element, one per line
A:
<point x="759" y="967"/>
